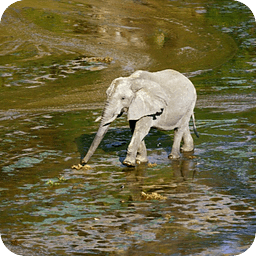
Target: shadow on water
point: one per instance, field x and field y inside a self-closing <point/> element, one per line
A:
<point x="54" y="69"/>
<point x="116" y="141"/>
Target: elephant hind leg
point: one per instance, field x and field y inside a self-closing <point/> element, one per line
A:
<point x="188" y="145"/>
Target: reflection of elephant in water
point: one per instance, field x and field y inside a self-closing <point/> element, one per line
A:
<point x="163" y="100"/>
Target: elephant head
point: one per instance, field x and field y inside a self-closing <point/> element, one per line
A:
<point x="137" y="97"/>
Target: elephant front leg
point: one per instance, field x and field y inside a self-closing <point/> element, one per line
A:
<point x="142" y="153"/>
<point x="131" y="153"/>
<point x="137" y="144"/>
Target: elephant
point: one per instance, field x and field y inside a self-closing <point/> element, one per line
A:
<point x="164" y="100"/>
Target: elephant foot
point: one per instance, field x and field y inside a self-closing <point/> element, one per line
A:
<point x="82" y="162"/>
<point x="129" y="163"/>
<point x="187" y="148"/>
<point x="174" y="156"/>
<point x="141" y="160"/>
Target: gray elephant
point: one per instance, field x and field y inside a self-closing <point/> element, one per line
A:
<point x="164" y="100"/>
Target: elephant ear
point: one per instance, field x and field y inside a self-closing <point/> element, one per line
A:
<point x="149" y="100"/>
<point x="113" y="86"/>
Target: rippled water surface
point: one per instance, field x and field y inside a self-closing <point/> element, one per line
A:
<point x="57" y="59"/>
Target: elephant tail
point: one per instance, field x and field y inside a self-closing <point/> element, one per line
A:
<point x="194" y="126"/>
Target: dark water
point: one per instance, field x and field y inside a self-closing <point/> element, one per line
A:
<point x="54" y="73"/>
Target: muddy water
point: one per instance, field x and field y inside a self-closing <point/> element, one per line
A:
<point x="57" y="58"/>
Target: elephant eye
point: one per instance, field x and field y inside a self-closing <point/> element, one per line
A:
<point x="123" y="98"/>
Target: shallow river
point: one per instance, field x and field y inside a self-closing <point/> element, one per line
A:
<point x="57" y="59"/>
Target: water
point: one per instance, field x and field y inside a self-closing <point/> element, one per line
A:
<point x="53" y="89"/>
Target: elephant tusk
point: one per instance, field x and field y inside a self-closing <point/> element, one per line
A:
<point x="120" y="114"/>
<point x="98" y="119"/>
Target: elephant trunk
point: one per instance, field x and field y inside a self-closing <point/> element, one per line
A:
<point x="105" y="123"/>
<point x="97" y="139"/>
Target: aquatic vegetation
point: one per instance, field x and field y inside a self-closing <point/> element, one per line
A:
<point x="81" y="167"/>
<point x="51" y="183"/>
<point x="152" y="196"/>
<point x="98" y="59"/>
<point x="152" y="164"/>
<point x="61" y="179"/>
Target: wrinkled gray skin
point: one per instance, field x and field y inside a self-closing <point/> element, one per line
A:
<point x="163" y="100"/>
